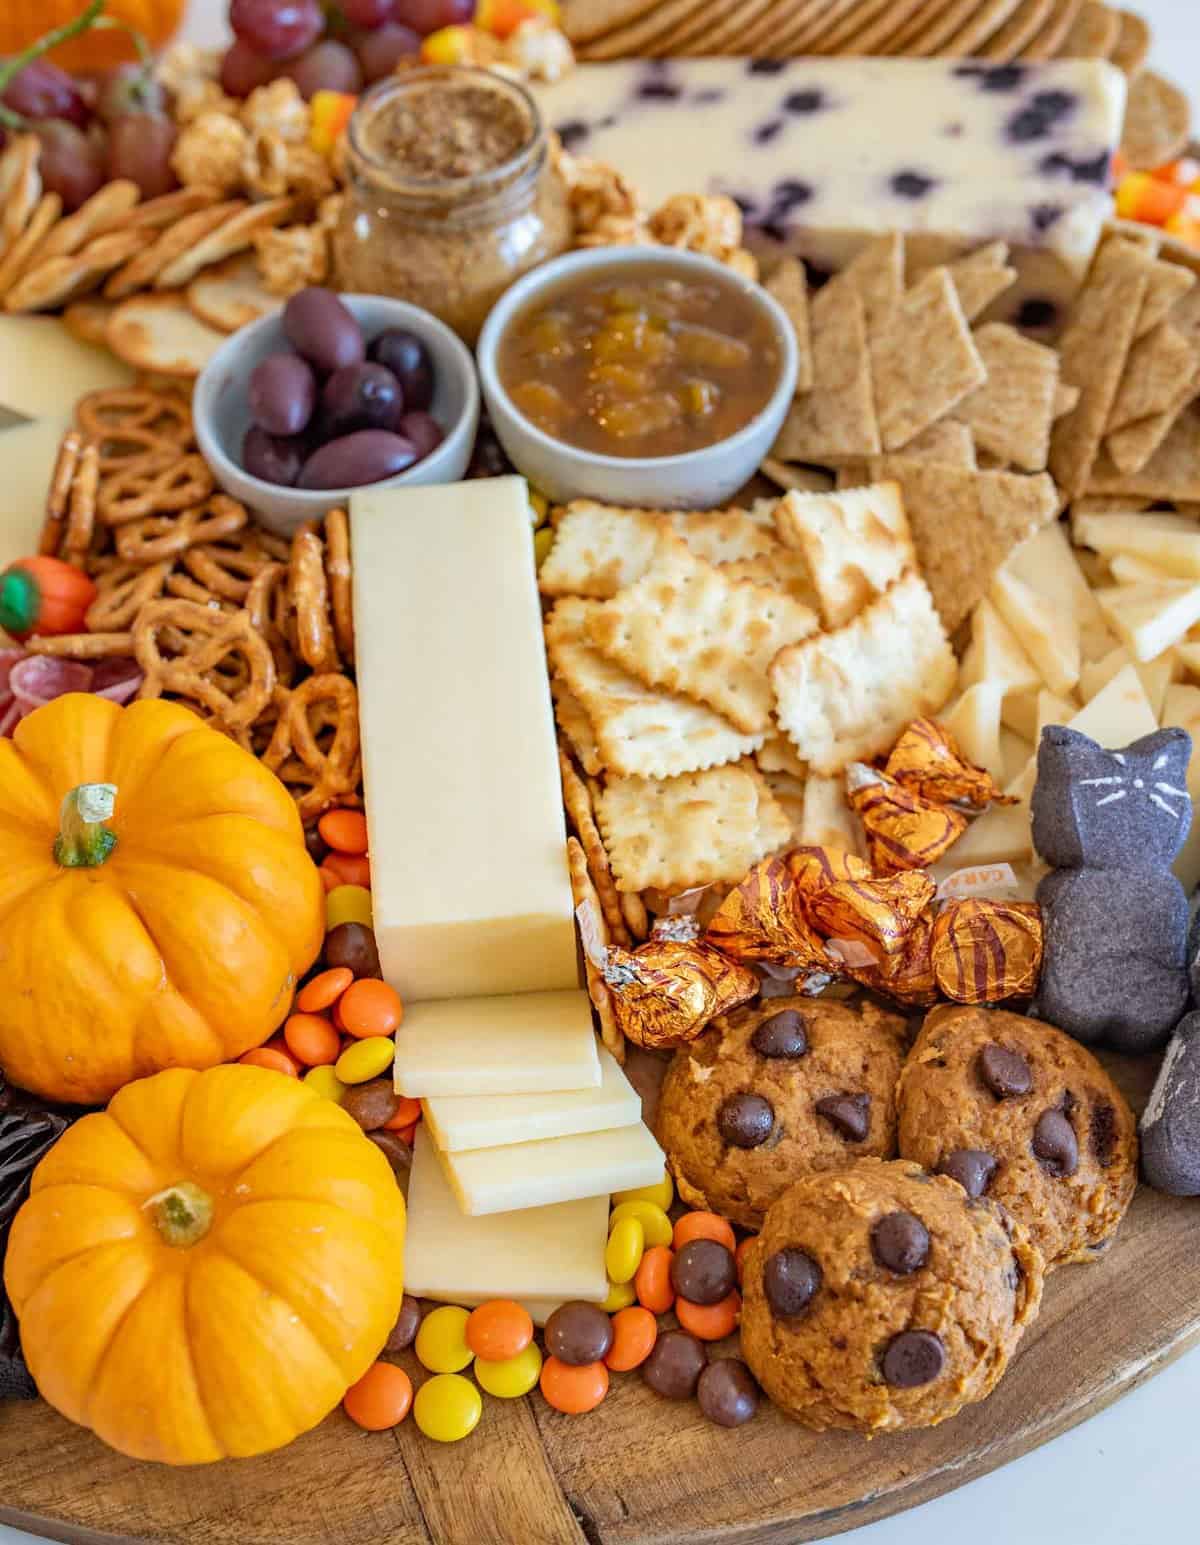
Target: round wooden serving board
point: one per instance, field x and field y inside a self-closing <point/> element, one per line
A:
<point x="639" y="1469"/>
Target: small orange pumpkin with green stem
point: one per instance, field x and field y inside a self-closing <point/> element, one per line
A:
<point x="157" y="903"/>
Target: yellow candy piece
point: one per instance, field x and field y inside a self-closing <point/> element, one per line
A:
<point x="348" y="904"/>
<point x="539" y="508"/>
<point x="325" y="1082"/>
<point x="442" y="1340"/>
<point x="365" y="1059"/>
<point x="656" y="1226"/>
<point x="514" y="1376"/>
<point x="543" y="541"/>
<point x="620" y="1296"/>
<point x="330" y="113"/>
<point x="625" y="1248"/>
<point x="661" y="1193"/>
<point x="447" y="1407"/>
<point x="449" y="45"/>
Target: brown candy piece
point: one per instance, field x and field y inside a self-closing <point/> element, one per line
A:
<point x="704" y="1272"/>
<point x="352" y="945"/>
<point x="985" y="951"/>
<point x="971" y="1167"/>
<point x="745" y="1120"/>
<point x="666" y="991"/>
<point x="849" y="1113"/>
<point x="900" y="1242"/>
<point x="1006" y="1073"/>
<point x="763" y="919"/>
<point x="1055" y="1144"/>
<point x="396" y="1151"/>
<point x="728" y="1392"/>
<point x="791" y="1279"/>
<point x="405" y="1329"/>
<point x="578" y="1333"/>
<point x="869" y="920"/>
<point x="372" y="1104"/>
<point x="913" y="1358"/>
<point x="904" y="830"/>
<point x="783" y="1036"/>
<point x="674" y="1367"/>
<point x="927" y="760"/>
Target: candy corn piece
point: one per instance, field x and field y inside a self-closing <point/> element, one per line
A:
<point x="450" y="45"/>
<point x="330" y="114"/>
<point x="503" y="17"/>
<point x="1141" y="197"/>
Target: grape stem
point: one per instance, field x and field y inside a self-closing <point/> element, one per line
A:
<point x="90" y="17"/>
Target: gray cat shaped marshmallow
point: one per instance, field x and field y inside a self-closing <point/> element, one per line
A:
<point x="1111" y="823"/>
<point x="1171" y="1122"/>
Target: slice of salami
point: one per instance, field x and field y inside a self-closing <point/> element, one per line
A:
<point x="118" y="680"/>
<point x="41" y="678"/>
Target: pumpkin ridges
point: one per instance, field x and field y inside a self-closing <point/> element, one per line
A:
<point x="264" y="1112"/>
<point x="67" y="742"/>
<point x="106" y="1157"/>
<point x="152" y="1122"/>
<point x="101" y="1228"/>
<point x="24" y="799"/>
<point x="148" y="731"/>
<point x="327" y="1187"/>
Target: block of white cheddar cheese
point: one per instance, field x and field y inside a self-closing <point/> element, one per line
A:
<point x="458" y="1122"/>
<point x="559" y="1169"/>
<point x="546" y="1253"/>
<point x="525" y="1043"/>
<point x="44" y="368"/>
<point x="460" y="766"/>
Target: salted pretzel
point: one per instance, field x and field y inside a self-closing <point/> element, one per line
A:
<point x="155" y="484"/>
<point x="155" y="537"/>
<point x="204" y="673"/>
<point x="58" y="499"/>
<point x="122" y="590"/>
<point x="338" y="574"/>
<point x="119" y="410"/>
<point x="315" y="745"/>
<point x="310" y="601"/>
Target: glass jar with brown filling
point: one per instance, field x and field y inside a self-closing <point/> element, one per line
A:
<point x="452" y="194"/>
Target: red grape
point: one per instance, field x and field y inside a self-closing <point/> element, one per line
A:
<point x="139" y="147"/>
<point x="329" y="66"/>
<point x="71" y="164"/>
<point x="42" y="90"/>
<point x="367" y="13"/>
<point x="244" y="71"/>
<point x="426" y="16"/>
<point x="130" y="88"/>
<point x="277" y="29"/>
<point x="379" y="52"/>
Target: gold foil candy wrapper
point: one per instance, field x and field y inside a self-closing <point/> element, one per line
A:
<point x="873" y="915"/>
<point x="763" y="919"/>
<point x="984" y="951"/>
<point x="926" y="760"/>
<point x="907" y="975"/>
<point x="664" y="993"/>
<point x="815" y="868"/>
<point x="904" y="830"/>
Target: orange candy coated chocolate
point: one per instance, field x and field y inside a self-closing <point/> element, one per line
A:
<point x="369" y="1007"/>
<point x="635" y="1330"/>
<point x="312" y="1040"/>
<point x="499" y="1330"/>
<point x="269" y="1057"/>
<point x="324" y="990"/>
<point x="381" y="1399"/>
<point x="573" y="1389"/>
<point x="652" y="1280"/>
<point x="408" y="1113"/>
<point x="350" y="868"/>
<point x="710" y="1322"/>
<point x="344" y="830"/>
<point x="703" y="1225"/>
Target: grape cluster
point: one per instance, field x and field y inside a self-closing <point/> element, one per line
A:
<point x="342" y="48"/>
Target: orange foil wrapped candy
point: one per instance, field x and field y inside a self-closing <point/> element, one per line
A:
<point x="664" y="993"/>
<point x="866" y="921"/>
<point x="926" y="760"/>
<point x="904" y="830"/>
<point x="763" y="919"/>
<point x="984" y="951"/>
<point x="907" y="975"/>
<point x="815" y="868"/>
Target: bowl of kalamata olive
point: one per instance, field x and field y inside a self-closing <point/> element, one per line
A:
<point x="296" y="411"/>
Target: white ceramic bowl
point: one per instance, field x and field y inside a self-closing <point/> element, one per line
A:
<point x="221" y="410"/>
<point x="698" y="479"/>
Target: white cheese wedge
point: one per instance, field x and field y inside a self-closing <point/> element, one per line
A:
<point x="458" y="1122"/>
<point x="827" y="821"/>
<point x="1016" y="752"/>
<point x="27" y="456"/>
<point x="995" y="654"/>
<point x="460" y="764"/>
<point x="1188" y="655"/>
<point x="541" y="1253"/>
<point x="1052" y="709"/>
<point x="521" y="1044"/>
<point x="43" y="367"/>
<point x="974" y="721"/>
<point x="1049" y="637"/>
<point x="1171" y="542"/>
<point x="559" y="1169"/>
<point x="1047" y="563"/>
<point x="1156" y="675"/>
<point x="1128" y="569"/>
<point x="1152" y="616"/>
<point x="1118" y="714"/>
<point x="1020" y="713"/>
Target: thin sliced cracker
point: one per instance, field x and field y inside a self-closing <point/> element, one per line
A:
<point x="923" y="361"/>
<point x="789" y="285"/>
<point x="62" y="279"/>
<point x="836" y="418"/>
<point x="20" y="186"/>
<point x="158" y="333"/>
<point x="231" y="295"/>
<point x="845" y="696"/>
<point x="93" y="218"/>
<point x="234" y="235"/>
<point x="639" y="731"/>
<point x="855" y="544"/>
<point x="158" y="213"/>
<point x="687" y="628"/>
<point x="980" y="278"/>
<point x="87" y="320"/>
<point x="578" y="803"/>
<point x="23" y="252"/>
<point x="1012" y="414"/>
<point x="677" y="833"/>
<point x="584" y="895"/>
<point x="166" y="245"/>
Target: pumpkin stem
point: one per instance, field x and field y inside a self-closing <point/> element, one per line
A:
<point x="182" y="1213"/>
<point x="71" y="29"/>
<point x="83" y="841"/>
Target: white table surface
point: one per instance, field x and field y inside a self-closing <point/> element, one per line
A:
<point x="1128" y="1475"/>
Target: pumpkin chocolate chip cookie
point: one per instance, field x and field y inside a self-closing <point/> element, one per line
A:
<point x="878" y="1296"/>
<point x="773" y="1090"/>
<point x="1013" y="1109"/>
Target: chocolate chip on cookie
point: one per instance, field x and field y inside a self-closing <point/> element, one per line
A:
<point x="782" y="1035"/>
<point x="913" y="1358"/>
<point x="1055" y="1143"/>
<point x="790" y="1281"/>
<point x="849" y="1113"/>
<point x="971" y="1167"/>
<point x="900" y="1241"/>
<point x="745" y="1120"/>
<point x="1006" y="1073"/>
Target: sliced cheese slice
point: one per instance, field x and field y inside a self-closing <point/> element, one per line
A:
<point x="995" y="654"/>
<point x="974" y="721"/>
<point x="1049" y="637"/>
<point x="1151" y="616"/>
<point x="520" y="1044"/>
<point x="42" y="366"/>
<point x="546" y="1253"/>
<point x="458" y="1122"/>
<point x="1046" y="562"/>
<point x="1170" y="542"/>
<point x="559" y="1169"/>
<point x="1181" y="707"/>
<point x="1156" y="675"/>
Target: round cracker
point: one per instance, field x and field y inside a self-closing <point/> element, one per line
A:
<point x="95" y="215"/>
<point x="640" y="36"/>
<point x="584" y="20"/>
<point x="1133" y="43"/>
<point x="873" y="23"/>
<point x="711" y="33"/>
<point x="62" y="279"/>
<point x="159" y="333"/>
<point x="977" y="29"/>
<point x="1023" y="25"/>
<point x="1158" y="122"/>
<point x="804" y="28"/>
<point x="232" y="236"/>
<point x="88" y="320"/>
<point x="158" y="213"/>
<point x="926" y="33"/>
<point x="1094" y="33"/>
<point x="231" y="295"/>
<point x="1053" y="34"/>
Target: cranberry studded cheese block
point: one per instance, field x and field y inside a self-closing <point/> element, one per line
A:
<point x="469" y="875"/>
<point x="822" y="153"/>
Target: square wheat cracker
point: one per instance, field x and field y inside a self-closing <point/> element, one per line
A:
<point x="639" y="731"/>
<point x="923" y="360"/>
<point x="1012" y="413"/>
<point x="684" y="626"/>
<point x="1159" y="363"/>
<point x="947" y="441"/>
<point x="877" y="273"/>
<point x="576" y="727"/>
<point x="836" y="418"/>
<point x="789" y="285"/>
<point x="855" y="543"/>
<point x="980" y="278"/>
<point x="847" y="695"/>
<point x="676" y="833"/>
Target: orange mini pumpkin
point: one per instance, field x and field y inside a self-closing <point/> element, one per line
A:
<point x="22" y="22"/>
<point x="205" y="1268"/>
<point x="157" y="903"/>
